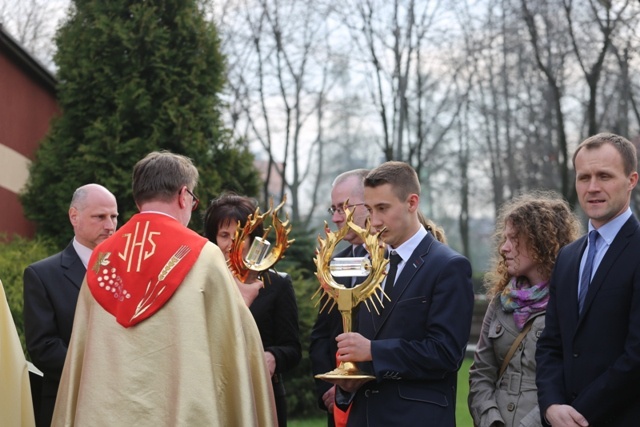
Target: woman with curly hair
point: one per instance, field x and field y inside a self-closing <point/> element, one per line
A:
<point x="530" y="231"/>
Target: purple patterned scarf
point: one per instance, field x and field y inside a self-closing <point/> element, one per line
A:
<point x="523" y="299"/>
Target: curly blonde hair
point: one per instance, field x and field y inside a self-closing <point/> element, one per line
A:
<point x="543" y="222"/>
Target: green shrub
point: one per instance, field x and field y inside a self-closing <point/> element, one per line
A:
<point x="15" y="255"/>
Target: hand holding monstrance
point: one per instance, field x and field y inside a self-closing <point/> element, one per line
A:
<point x="247" y="265"/>
<point x="345" y="298"/>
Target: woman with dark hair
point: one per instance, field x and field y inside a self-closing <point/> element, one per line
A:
<point x="271" y="300"/>
<point x="530" y="230"/>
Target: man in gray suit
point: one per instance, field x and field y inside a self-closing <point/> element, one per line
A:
<point x="51" y="289"/>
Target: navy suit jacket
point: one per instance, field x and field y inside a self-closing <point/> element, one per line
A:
<point x="418" y="342"/>
<point x="591" y="361"/>
<point x="51" y="288"/>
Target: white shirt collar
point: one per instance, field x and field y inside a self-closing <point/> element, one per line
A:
<point x="609" y="230"/>
<point x="406" y="249"/>
<point x="84" y="253"/>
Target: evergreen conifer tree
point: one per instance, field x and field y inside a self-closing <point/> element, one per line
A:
<point x="134" y="77"/>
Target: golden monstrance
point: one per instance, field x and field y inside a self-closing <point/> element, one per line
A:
<point x="368" y="292"/>
<point x="261" y="256"/>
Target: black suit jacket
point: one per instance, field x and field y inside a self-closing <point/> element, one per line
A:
<point x="591" y="361"/>
<point x="418" y="342"/>
<point x="276" y="314"/>
<point x="51" y="288"/>
<point x="323" y="346"/>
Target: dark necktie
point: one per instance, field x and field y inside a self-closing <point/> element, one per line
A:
<point x="394" y="260"/>
<point x="357" y="252"/>
<point x="585" y="278"/>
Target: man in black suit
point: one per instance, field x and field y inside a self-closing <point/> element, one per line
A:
<point x="588" y="356"/>
<point x="347" y="187"/>
<point x="51" y="288"/>
<point x="416" y="345"/>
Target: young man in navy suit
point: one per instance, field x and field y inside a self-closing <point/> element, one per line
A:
<point x="347" y="187"/>
<point x="51" y="288"/>
<point x="588" y="357"/>
<point x="414" y="348"/>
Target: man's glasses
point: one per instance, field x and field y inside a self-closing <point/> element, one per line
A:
<point x="340" y="209"/>
<point x="195" y="202"/>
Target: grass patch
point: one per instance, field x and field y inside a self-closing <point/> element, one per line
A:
<point x="463" y="417"/>
<point x="311" y="422"/>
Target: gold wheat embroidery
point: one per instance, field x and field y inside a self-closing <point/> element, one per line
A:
<point x="152" y="293"/>
<point x="102" y="260"/>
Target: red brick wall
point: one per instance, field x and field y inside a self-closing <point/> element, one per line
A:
<point x="26" y="107"/>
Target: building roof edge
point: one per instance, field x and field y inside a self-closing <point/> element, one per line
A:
<point x="26" y="60"/>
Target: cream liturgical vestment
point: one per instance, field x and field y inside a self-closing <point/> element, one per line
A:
<point x="16" y="408"/>
<point x="162" y="337"/>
